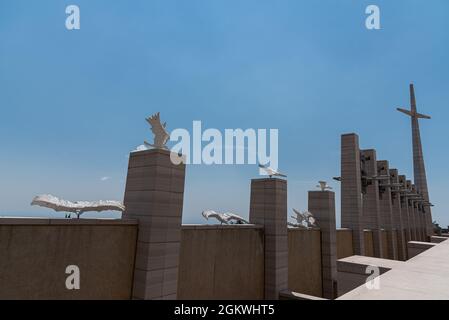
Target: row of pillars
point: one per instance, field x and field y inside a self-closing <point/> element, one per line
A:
<point x="154" y="197"/>
<point x="378" y="198"/>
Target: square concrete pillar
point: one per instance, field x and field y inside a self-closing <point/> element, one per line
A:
<point x="421" y="224"/>
<point x="269" y="208"/>
<point x="423" y="213"/>
<point x="154" y="196"/>
<point x="322" y="206"/>
<point x="422" y="221"/>
<point x="404" y="209"/>
<point x="370" y="191"/>
<point x="411" y="213"/>
<point x="397" y="214"/>
<point x="386" y="208"/>
<point x="351" y="191"/>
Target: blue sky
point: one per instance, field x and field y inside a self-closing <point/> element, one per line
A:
<point x="73" y="103"/>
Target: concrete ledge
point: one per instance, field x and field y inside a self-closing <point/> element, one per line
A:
<point x="352" y="271"/>
<point x="290" y="295"/>
<point x="415" y="248"/>
<point x="219" y="226"/>
<point x="358" y="264"/>
<point x="437" y="239"/>
<point x="50" y="221"/>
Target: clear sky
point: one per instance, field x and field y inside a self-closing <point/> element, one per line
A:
<point x="73" y="103"/>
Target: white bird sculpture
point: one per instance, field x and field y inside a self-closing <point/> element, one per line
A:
<point x="223" y="217"/>
<point x="271" y="172"/>
<point x="233" y="217"/>
<point x="323" y="186"/>
<point x="161" y="135"/>
<point x="303" y="220"/>
<point x="310" y="219"/>
<point x="77" y="207"/>
<point x="299" y="217"/>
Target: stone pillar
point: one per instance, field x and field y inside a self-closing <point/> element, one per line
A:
<point x="422" y="222"/>
<point x="370" y="191"/>
<point x="322" y="206"/>
<point x="397" y="214"/>
<point x="269" y="208"/>
<point x="404" y="208"/>
<point x="386" y="208"/>
<point x="422" y="225"/>
<point x="351" y="191"/>
<point x="411" y="213"/>
<point x="154" y="196"/>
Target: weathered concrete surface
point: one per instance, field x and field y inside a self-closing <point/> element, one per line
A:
<point x="304" y="258"/>
<point x="35" y="253"/>
<point x="351" y="190"/>
<point x="344" y="243"/>
<point x="424" y="277"/>
<point x="154" y="196"/>
<point x="268" y="207"/>
<point x="221" y="262"/>
<point x="369" y="244"/>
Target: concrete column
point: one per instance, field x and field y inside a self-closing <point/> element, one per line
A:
<point x="351" y="191"/>
<point x="386" y="208"/>
<point x="422" y="224"/>
<point x="404" y="209"/>
<point x="417" y="221"/>
<point x="397" y="215"/>
<point x="370" y="191"/>
<point x="322" y="206"/>
<point x="422" y="214"/>
<point x="269" y="208"/>
<point x="154" y="196"/>
<point x="411" y="213"/>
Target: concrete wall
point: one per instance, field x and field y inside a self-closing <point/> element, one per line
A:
<point x="221" y="262"/>
<point x="369" y="244"/>
<point x="304" y="261"/>
<point x="415" y="248"/>
<point x="35" y="253"/>
<point x="344" y="243"/>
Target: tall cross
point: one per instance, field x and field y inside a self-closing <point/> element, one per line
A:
<point x="419" y="169"/>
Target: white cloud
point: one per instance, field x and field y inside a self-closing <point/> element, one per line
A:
<point x="105" y="178"/>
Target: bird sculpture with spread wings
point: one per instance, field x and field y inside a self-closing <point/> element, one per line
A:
<point x="77" y="207"/>
<point x="225" y="218"/>
<point x="323" y="186"/>
<point x="161" y="135"/>
<point x="303" y="220"/>
<point x="270" y="171"/>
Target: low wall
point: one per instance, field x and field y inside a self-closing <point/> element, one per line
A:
<point x="344" y="243"/>
<point x="304" y="261"/>
<point x="221" y="262"/>
<point x="415" y="248"/>
<point x="35" y="253"/>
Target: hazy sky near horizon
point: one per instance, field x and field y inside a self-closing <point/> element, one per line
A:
<point x="73" y="103"/>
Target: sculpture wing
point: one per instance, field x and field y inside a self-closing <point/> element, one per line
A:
<point x="161" y="135"/>
<point x="232" y="216"/>
<point x="102" y="205"/>
<point x="52" y="202"/>
<point x="213" y="214"/>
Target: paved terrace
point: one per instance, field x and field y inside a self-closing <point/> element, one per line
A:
<point x="424" y="277"/>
